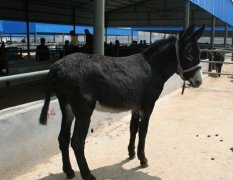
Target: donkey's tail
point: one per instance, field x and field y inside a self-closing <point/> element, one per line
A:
<point x="44" y="111"/>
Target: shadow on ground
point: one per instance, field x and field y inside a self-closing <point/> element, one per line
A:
<point x="113" y="172"/>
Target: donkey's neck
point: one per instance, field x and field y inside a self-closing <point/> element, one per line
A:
<point x="162" y="57"/>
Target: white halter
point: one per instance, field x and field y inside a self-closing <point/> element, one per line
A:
<point x="180" y="70"/>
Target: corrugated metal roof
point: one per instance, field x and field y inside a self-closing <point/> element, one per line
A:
<point x="119" y="13"/>
<point x="222" y="9"/>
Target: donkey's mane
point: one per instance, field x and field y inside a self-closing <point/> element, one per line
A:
<point x="158" y="46"/>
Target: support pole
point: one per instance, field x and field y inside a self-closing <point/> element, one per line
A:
<point x="28" y="40"/>
<point x="232" y="36"/>
<point x="99" y="27"/>
<point x="232" y="42"/>
<point x="27" y="27"/>
<point x="212" y="32"/>
<point x="35" y="37"/>
<point x="73" y="20"/>
<point x="106" y="35"/>
<point x="225" y="35"/>
<point x="131" y="36"/>
<point x="150" y="37"/>
<point x="187" y="14"/>
<point x="212" y="42"/>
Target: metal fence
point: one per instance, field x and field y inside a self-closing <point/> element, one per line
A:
<point x="227" y="52"/>
<point x="42" y="74"/>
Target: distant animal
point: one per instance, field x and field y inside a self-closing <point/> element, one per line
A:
<point x="218" y="56"/>
<point x="214" y="56"/>
<point x="121" y="83"/>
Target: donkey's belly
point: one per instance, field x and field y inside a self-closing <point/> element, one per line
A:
<point x="104" y="108"/>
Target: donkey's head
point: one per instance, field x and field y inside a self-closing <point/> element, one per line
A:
<point x="188" y="56"/>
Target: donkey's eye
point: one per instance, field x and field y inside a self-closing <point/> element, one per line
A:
<point x="188" y="57"/>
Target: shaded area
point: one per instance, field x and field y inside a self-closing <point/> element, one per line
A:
<point x="113" y="172"/>
<point x="21" y="94"/>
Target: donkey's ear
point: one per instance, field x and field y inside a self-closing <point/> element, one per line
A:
<point x="187" y="34"/>
<point x="197" y="34"/>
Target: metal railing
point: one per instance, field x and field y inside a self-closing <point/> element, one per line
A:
<point x="215" y="73"/>
<point x="31" y="75"/>
<point x="225" y="51"/>
<point x="43" y="73"/>
<point x="218" y="62"/>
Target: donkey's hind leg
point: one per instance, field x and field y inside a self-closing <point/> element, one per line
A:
<point x="64" y="136"/>
<point x="134" y="125"/>
<point x="82" y="109"/>
<point x="219" y="69"/>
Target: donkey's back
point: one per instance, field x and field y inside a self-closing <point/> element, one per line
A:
<point x="115" y="82"/>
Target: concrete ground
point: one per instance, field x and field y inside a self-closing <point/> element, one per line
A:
<point x="189" y="138"/>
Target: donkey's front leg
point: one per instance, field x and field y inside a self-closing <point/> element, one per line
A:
<point x="141" y="144"/>
<point x="143" y="127"/>
<point x="134" y="125"/>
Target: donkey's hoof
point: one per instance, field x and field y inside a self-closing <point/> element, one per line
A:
<point x="131" y="157"/>
<point x="144" y="164"/>
<point x="70" y="175"/>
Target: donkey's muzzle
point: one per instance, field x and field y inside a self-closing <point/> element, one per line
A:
<point x="196" y="80"/>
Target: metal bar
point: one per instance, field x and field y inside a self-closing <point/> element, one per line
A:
<point x="212" y="32"/>
<point x="232" y="36"/>
<point x="106" y="35"/>
<point x="187" y="14"/>
<point x="23" y="76"/>
<point x="150" y="37"/>
<point x="232" y="43"/>
<point x="27" y="27"/>
<point x="227" y="55"/>
<point x="227" y="74"/>
<point x="216" y="50"/>
<point x="225" y="35"/>
<point x="74" y="20"/>
<point x="217" y="62"/>
<point x="131" y="36"/>
<point x="35" y="37"/>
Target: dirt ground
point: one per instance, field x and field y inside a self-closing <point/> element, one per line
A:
<point x="189" y="138"/>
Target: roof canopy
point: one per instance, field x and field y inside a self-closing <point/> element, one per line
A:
<point x="160" y="15"/>
<point x="121" y="13"/>
<point x="222" y="9"/>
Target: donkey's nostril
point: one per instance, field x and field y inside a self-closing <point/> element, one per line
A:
<point x="198" y="83"/>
